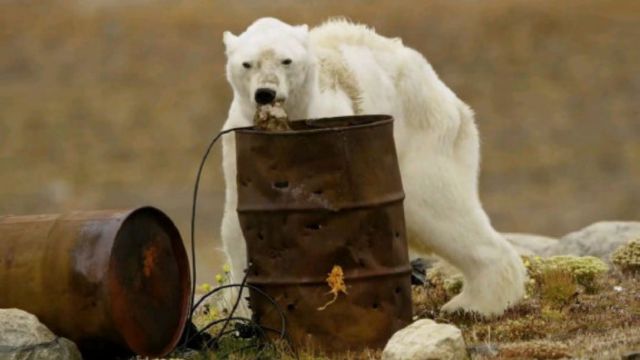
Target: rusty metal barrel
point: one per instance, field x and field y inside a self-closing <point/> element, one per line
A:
<point x="112" y="281"/>
<point x="326" y="193"/>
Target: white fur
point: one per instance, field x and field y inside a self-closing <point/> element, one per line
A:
<point x="340" y="68"/>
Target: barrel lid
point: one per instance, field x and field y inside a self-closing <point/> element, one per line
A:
<point x="148" y="283"/>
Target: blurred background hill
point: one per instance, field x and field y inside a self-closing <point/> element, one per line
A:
<point x="110" y="103"/>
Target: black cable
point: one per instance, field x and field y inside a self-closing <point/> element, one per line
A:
<point x="282" y="330"/>
<point x="230" y="317"/>
<point x="216" y="322"/>
<point x="235" y="305"/>
<point x="193" y="220"/>
<point x="216" y="340"/>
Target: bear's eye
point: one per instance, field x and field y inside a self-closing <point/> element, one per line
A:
<point x="246" y="65"/>
<point x="286" y="61"/>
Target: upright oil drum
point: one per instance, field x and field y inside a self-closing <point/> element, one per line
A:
<point x="112" y="281"/>
<point x="326" y="193"/>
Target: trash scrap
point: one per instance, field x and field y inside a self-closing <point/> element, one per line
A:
<point x="272" y="117"/>
<point x="335" y="280"/>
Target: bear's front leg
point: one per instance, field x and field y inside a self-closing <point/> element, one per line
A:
<point x="233" y="241"/>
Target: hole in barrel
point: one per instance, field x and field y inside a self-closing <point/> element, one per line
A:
<point x="291" y="307"/>
<point x="398" y="289"/>
<point x="375" y="305"/>
<point x="281" y="184"/>
<point x="318" y="192"/>
<point x="313" y="226"/>
<point x="260" y="236"/>
<point x="397" y="234"/>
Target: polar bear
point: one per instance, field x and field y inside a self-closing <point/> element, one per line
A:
<point x="341" y="68"/>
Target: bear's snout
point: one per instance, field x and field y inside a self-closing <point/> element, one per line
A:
<point x="265" y="96"/>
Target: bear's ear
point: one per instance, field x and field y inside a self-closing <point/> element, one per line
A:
<point x="229" y="40"/>
<point x="302" y="32"/>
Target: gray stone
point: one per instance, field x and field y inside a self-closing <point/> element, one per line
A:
<point x="426" y="340"/>
<point x="530" y="244"/>
<point x="634" y="355"/>
<point x="599" y="239"/>
<point x="484" y="350"/>
<point x="23" y="337"/>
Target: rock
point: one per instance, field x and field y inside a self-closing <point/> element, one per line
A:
<point x="599" y="239"/>
<point x="425" y="340"/>
<point x="484" y="350"/>
<point x="634" y="355"/>
<point x="530" y="244"/>
<point x="23" y="337"/>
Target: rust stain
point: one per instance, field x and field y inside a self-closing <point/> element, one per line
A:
<point x="150" y="257"/>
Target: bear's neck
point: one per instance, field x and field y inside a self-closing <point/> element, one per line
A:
<point x="299" y="103"/>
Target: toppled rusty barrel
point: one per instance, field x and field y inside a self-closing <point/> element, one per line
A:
<point x="112" y="281"/>
<point x="326" y="193"/>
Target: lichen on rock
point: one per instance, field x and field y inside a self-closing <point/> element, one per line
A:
<point x="584" y="269"/>
<point x="627" y="257"/>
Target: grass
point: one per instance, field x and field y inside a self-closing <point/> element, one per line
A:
<point x="562" y="317"/>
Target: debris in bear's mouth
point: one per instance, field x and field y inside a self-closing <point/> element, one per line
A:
<point x="272" y="117"/>
<point x="335" y="280"/>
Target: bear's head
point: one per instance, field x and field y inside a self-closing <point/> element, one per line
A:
<point x="268" y="62"/>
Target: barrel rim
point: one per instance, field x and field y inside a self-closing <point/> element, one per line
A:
<point x="369" y="120"/>
<point x="350" y="276"/>
<point x="183" y="263"/>
<point x="393" y="198"/>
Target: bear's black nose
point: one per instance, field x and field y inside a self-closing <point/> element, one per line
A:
<point x="265" y="96"/>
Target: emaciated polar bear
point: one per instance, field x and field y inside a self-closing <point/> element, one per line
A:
<point x="341" y="68"/>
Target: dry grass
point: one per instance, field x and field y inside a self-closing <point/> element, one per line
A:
<point x="578" y="324"/>
<point x="559" y="287"/>
<point x="552" y="326"/>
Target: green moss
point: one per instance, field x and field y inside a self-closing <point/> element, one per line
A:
<point x="627" y="257"/>
<point x="584" y="270"/>
<point x="453" y="285"/>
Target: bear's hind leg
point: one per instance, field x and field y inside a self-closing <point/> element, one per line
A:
<point x="445" y="214"/>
